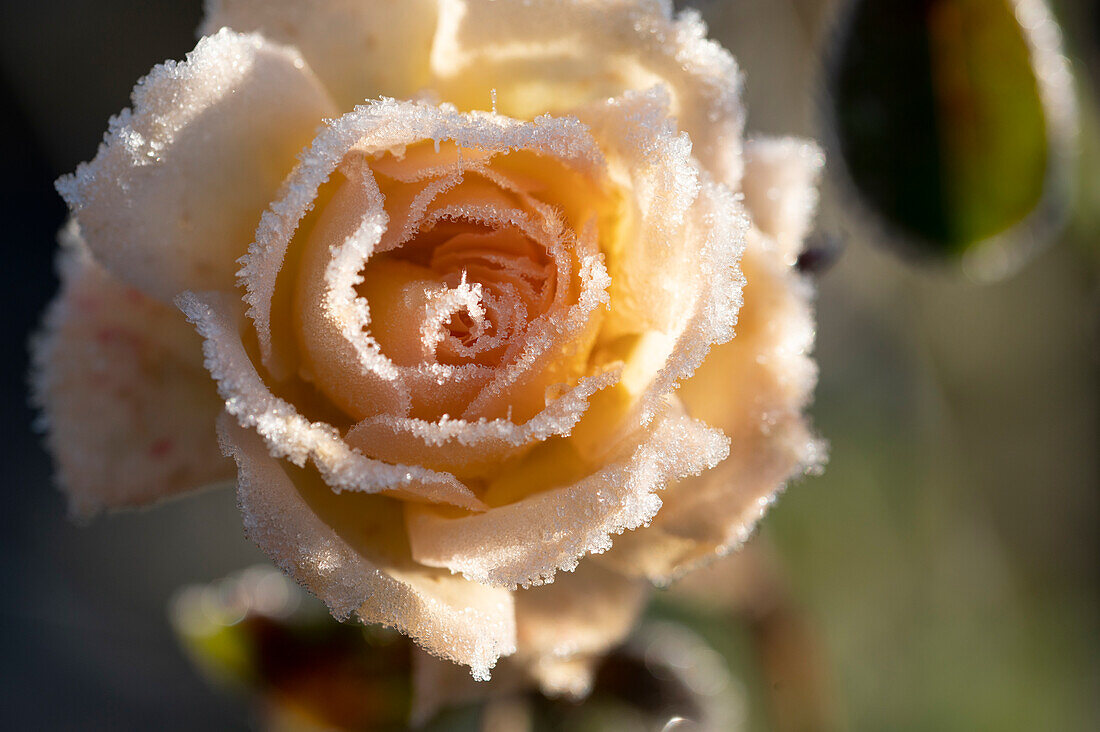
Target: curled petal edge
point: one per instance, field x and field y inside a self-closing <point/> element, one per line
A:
<point x="524" y="544"/>
<point x="287" y="433"/>
<point x="177" y="187"/>
<point x="447" y="616"/>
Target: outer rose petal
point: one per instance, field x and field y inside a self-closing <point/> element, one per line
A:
<point x="766" y="371"/>
<point x="563" y="628"/>
<point x="174" y="194"/>
<point x="562" y="631"/>
<point x="526" y="542"/>
<point x="440" y="685"/>
<point x="130" y="410"/>
<point x="540" y="56"/>
<point x="359" y="48"/>
<point x="753" y="388"/>
<point x="780" y="187"/>
<point x="349" y="550"/>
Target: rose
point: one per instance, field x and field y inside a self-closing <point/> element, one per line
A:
<point x="449" y="366"/>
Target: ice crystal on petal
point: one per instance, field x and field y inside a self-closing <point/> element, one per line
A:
<point x="180" y="181"/>
<point x="525" y="543"/>
<point x="780" y="187"/>
<point x="290" y="435"/>
<point x="365" y="570"/>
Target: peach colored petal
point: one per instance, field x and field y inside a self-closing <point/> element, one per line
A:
<point x="536" y="56"/>
<point x="780" y="187"/>
<point x="340" y="349"/>
<point x="711" y="515"/>
<point x="754" y="388"/>
<point x="286" y="432"/>
<point x="675" y="280"/>
<point x="525" y="542"/>
<point x="381" y="126"/>
<point x="332" y="320"/>
<point x="565" y="328"/>
<point x="349" y="551"/>
<point x="360" y="49"/>
<point x="178" y="185"/>
<point x="563" y="629"/>
<point x="343" y="342"/>
<point x="473" y="448"/>
<point x="128" y="408"/>
<point x="766" y="371"/>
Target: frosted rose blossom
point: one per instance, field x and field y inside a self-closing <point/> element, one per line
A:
<point x="492" y="308"/>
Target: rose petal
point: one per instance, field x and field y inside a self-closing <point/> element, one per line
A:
<point x="440" y="685"/>
<point x="380" y="126"/>
<point x="128" y="407"/>
<point x="675" y="281"/>
<point x="360" y="49"/>
<point x="524" y="542"/>
<point x="766" y="371"/>
<point x="473" y="448"/>
<point x="562" y="629"/>
<point x="331" y="318"/>
<point x="286" y="432"/>
<point x="780" y="187"/>
<point x="711" y="515"/>
<point x="174" y="194"/>
<point x="349" y="550"/>
<point x="340" y="350"/>
<point x="537" y="56"/>
<point x="754" y="388"/>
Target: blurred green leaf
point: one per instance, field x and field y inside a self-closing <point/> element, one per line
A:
<point x="953" y="120"/>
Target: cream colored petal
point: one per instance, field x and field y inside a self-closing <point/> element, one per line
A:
<point x="526" y="541"/>
<point x="174" y="194"/>
<point x="563" y="629"/>
<point x="440" y="685"/>
<point x="708" y="516"/>
<point x="539" y="56"/>
<point x="351" y="552"/>
<point x="766" y="371"/>
<point x="675" y="278"/>
<point x="330" y="317"/>
<point x="128" y="408"/>
<point x="754" y="388"/>
<point x="780" y="187"/>
<point x="290" y="435"/>
<point x="360" y="49"/>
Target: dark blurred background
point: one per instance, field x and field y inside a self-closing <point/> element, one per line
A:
<point x="947" y="560"/>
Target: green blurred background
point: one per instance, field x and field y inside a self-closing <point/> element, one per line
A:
<point x="945" y="564"/>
